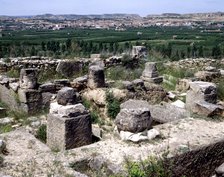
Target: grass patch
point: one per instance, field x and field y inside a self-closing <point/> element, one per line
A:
<point x="48" y="75"/>
<point x="13" y="73"/>
<point x="113" y="105"/>
<point x="42" y="133"/>
<point x="19" y="116"/>
<point x="122" y="73"/>
<point x="220" y="89"/>
<point x="5" y="128"/>
<point x="94" y="112"/>
<point x="152" y="167"/>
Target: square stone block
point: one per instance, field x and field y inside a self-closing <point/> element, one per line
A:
<point x="29" y="95"/>
<point x="68" y="133"/>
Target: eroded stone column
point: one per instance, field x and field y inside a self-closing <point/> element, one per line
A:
<point x="96" y="78"/>
<point x="68" y="125"/>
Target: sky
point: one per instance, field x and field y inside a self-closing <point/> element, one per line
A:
<point x="141" y="7"/>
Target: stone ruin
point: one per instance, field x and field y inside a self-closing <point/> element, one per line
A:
<point x="150" y="74"/>
<point x="134" y="121"/>
<point x="202" y="99"/>
<point x="96" y="78"/>
<point x="68" y="123"/>
<point x="139" y="51"/>
<point x="209" y="74"/>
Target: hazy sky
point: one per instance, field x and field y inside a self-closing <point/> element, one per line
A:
<point x="141" y="7"/>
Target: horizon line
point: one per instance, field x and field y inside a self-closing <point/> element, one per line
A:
<point x="114" y="14"/>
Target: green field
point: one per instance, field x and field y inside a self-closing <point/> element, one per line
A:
<point x="166" y="42"/>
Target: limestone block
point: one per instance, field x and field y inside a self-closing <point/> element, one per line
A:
<point x="68" y="132"/>
<point x="96" y="78"/>
<point x="28" y="78"/>
<point x="66" y="95"/>
<point x="134" y="116"/>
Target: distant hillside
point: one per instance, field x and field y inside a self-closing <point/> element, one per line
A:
<point x="76" y="17"/>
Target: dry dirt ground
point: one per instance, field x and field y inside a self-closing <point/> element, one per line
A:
<point x="30" y="157"/>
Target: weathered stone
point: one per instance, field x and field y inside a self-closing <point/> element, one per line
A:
<point x="96" y="78"/>
<point x="2" y="112"/>
<point x="97" y="131"/>
<point x="2" y="146"/>
<point x="179" y="104"/>
<point x="183" y="85"/>
<point x="69" y="68"/>
<point x="6" y="120"/>
<point x="150" y="73"/>
<point x="128" y="85"/>
<point x="29" y="96"/>
<point x="167" y="113"/>
<point x="150" y="70"/>
<point x="14" y="86"/>
<point x="48" y="87"/>
<point x="99" y="63"/>
<point x="79" y="83"/>
<point x="28" y="78"/>
<point x="171" y="95"/>
<point x="66" y="95"/>
<point x="47" y="97"/>
<point x="69" y="132"/>
<point x="152" y="133"/>
<point x="72" y="110"/>
<point x="138" y="84"/>
<point x="200" y="92"/>
<point x="207" y="76"/>
<point x="60" y="83"/>
<point x="139" y="51"/>
<point x="98" y="96"/>
<point x="134" y="116"/>
<point x="208" y="109"/>
<point x="220" y="171"/>
<point x="134" y="137"/>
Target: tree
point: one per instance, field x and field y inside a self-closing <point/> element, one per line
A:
<point x="216" y="52"/>
<point x="43" y="46"/>
<point x="200" y="51"/>
<point x="68" y="44"/>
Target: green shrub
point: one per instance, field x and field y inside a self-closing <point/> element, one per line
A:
<point x="152" y="167"/>
<point x="94" y="116"/>
<point x="113" y="105"/>
<point x="86" y="103"/>
<point x="135" y="170"/>
<point x="42" y="133"/>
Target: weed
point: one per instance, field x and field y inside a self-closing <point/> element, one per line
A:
<point x="5" y="128"/>
<point x="121" y="73"/>
<point x="113" y="105"/>
<point x="152" y="167"/>
<point x="20" y="116"/>
<point x="13" y="73"/>
<point x="42" y="133"/>
<point x="86" y="103"/>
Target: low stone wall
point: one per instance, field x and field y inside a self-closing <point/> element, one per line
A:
<point x="199" y="163"/>
<point x="199" y="63"/>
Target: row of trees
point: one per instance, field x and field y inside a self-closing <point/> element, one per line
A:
<point x="71" y="48"/>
